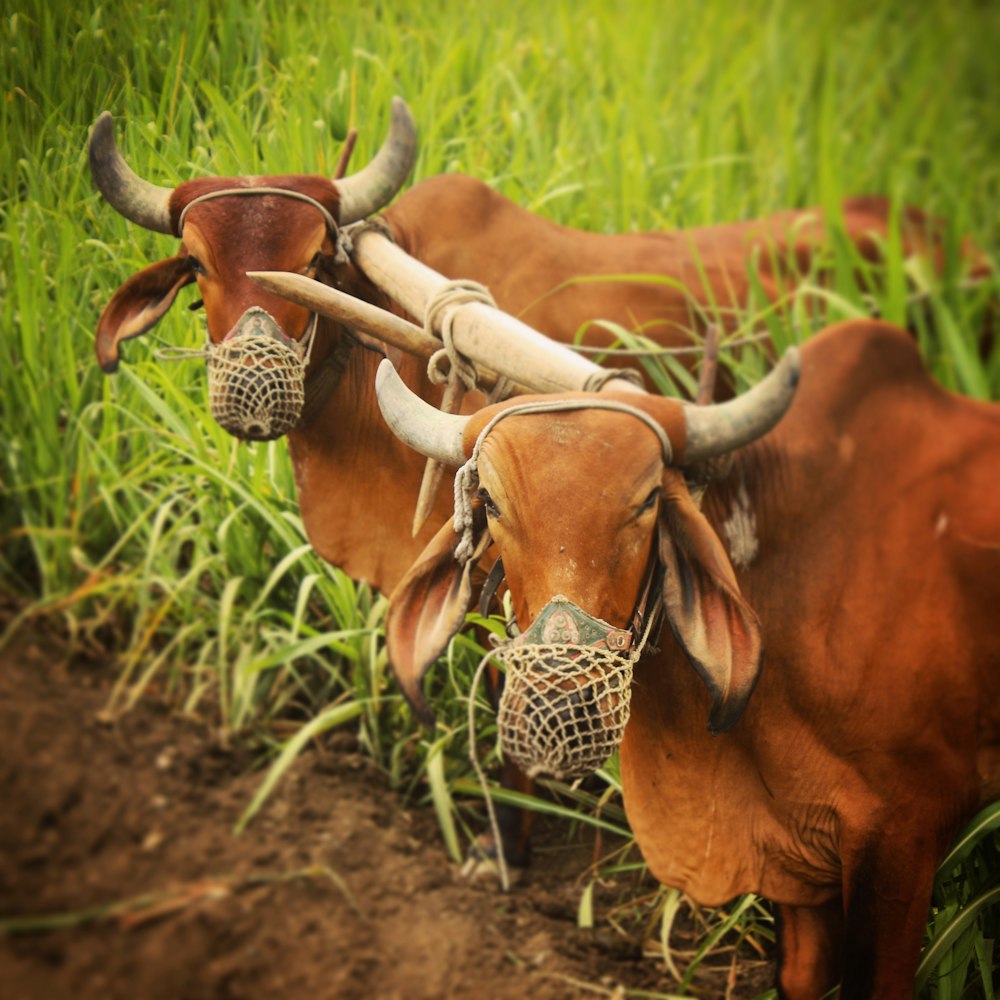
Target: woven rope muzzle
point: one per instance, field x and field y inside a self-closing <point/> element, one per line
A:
<point x="256" y="377"/>
<point x="567" y="692"/>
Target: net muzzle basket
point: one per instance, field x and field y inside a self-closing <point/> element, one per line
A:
<point x="564" y="707"/>
<point x="256" y="378"/>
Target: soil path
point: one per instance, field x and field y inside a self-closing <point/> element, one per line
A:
<point x="337" y="890"/>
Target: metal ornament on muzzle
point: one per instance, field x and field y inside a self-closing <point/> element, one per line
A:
<point x="256" y="377"/>
<point x="567" y="691"/>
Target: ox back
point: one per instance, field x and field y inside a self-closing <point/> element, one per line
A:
<point x="669" y="284"/>
<point x="357" y="485"/>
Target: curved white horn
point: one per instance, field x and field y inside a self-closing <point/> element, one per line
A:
<point x="416" y="423"/>
<point x="127" y="193"/>
<point x="716" y="430"/>
<point x="372" y="187"/>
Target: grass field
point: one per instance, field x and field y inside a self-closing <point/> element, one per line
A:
<point x="149" y="531"/>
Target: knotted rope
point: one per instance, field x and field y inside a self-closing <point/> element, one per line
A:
<point x="599" y="379"/>
<point x="448" y="362"/>
<point x="449" y="367"/>
<point x="350" y="233"/>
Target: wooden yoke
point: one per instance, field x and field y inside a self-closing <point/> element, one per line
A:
<point x="498" y="345"/>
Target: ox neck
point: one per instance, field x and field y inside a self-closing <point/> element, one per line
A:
<point x="750" y="507"/>
<point x="357" y="483"/>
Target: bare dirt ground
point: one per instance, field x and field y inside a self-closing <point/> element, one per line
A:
<point x="337" y="890"/>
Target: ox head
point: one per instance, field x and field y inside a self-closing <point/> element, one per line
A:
<point x="227" y="226"/>
<point x="585" y="498"/>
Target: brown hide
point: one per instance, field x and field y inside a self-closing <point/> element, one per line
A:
<point x="356" y="484"/>
<point x="233" y="235"/>
<point x="864" y="532"/>
<point x="533" y="266"/>
<point x="223" y="239"/>
<point x="875" y="729"/>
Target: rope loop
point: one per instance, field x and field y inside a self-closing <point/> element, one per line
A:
<point x="466" y="481"/>
<point x="597" y="381"/>
<point x="344" y="248"/>
<point x="374" y="223"/>
<point x="449" y="362"/>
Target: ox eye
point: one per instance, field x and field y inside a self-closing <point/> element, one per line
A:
<point x="196" y="265"/>
<point x="491" y="508"/>
<point x="650" y="502"/>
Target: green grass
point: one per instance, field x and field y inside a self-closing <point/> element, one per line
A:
<point x="130" y="514"/>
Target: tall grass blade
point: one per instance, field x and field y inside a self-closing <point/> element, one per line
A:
<point x="336" y="715"/>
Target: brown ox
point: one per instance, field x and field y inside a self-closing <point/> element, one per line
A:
<point x="858" y="544"/>
<point x="357" y="485"/>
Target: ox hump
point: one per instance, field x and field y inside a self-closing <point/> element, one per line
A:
<point x="740" y="529"/>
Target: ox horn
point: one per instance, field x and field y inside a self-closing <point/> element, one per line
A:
<point x="717" y="430"/>
<point x="427" y="430"/>
<point x="372" y="187"/>
<point x="127" y="193"/>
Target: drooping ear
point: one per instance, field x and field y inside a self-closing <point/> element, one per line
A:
<point x="427" y="608"/>
<point x="718" y="631"/>
<point x="138" y="306"/>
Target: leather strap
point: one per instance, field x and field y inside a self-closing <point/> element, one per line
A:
<point x="322" y="382"/>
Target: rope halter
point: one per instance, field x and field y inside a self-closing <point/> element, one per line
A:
<point x="331" y="224"/>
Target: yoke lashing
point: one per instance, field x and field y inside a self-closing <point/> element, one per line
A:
<point x="257" y="385"/>
<point x="568" y="677"/>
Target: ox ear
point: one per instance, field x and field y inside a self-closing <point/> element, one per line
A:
<point x="427" y="608"/>
<point x="138" y="306"/>
<point x="718" y="631"/>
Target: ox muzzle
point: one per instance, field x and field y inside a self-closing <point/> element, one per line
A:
<point x="567" y="692"/>
<point x="256" y="377"/>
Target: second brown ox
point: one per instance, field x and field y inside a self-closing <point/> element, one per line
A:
<point x="857" y="544"/>
<point x="357" y="486"/>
